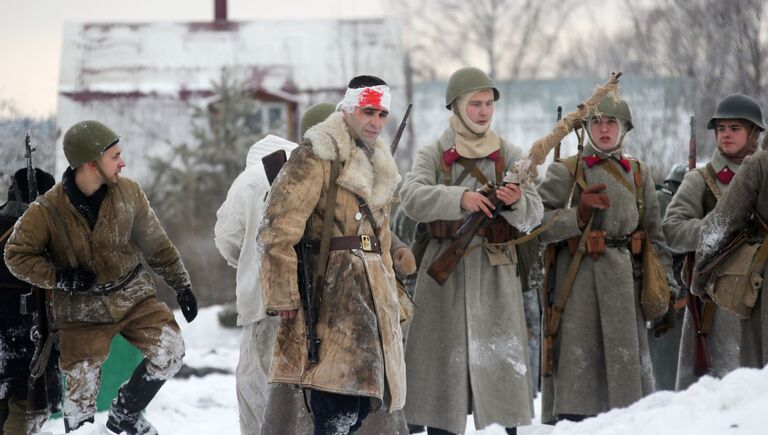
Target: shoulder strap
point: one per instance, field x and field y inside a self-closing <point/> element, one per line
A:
<point x="61" y="228"/>
<point x="564" y="291"/>
<point x="570" y="164"/>
<point x="708" y="172"/>
<point x="639" y="191"/>
<point x="363" y="206"/>
<point x="500" y="165"/>
<point x="330" y="210"/>
<point x="471" y="166"/>
<point x="610" y="168"/>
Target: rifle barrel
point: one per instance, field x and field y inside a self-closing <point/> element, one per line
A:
<point x="400" y="129"/>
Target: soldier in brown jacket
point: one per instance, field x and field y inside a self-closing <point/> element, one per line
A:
<point x="83" y="241"/>
<point x="360" y="365"/>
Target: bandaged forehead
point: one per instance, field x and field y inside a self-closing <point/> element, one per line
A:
<point x="378" y="97"/>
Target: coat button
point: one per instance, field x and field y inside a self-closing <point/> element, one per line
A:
<point x="358" y="216"/>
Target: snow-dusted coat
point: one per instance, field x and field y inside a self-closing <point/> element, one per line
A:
<point x="237" y="222"/>
<point x="682" y="228"/>
<point x="467" y="344"/>
<point x="747" y="193"/>
<point x="361" y="343"/>
<point x="601" y="350"/>
<point x="126" y="230"/>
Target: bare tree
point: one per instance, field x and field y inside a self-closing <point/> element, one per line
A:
<point x="718" y="47"/>
<point x="13" y="126"/>
<point x="508" y="38"/>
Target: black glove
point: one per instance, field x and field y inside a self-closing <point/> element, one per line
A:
<point x="187" y="303"/>
<point x="75" y="280"/>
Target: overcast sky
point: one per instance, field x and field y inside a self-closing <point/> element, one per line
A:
<point x="31" y="30"/>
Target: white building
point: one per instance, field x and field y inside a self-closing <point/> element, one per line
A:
<point x="143" y="79"/>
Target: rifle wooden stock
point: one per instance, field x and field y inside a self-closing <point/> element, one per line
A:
<point x="273" y="162"/>
<point x="701" y="359"/>
<point x="446" y="263"/>
<point x="547" y="296"/>
<point x="692" y="146"/>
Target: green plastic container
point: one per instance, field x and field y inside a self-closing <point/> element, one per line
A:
<point x="118" y="367"/>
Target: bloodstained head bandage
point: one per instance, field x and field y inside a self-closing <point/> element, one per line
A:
<point x="378" y="97"/>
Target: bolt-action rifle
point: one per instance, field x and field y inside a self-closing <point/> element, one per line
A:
<point x="701" y="316"/>
<point x="310" y="300"/>
<point x="43" y="384"/>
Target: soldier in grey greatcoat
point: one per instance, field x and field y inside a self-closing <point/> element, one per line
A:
<point x="601" y="358"/>
<point x="467" y="348"/>
<point x="664" y="349"/>
<point x="737" y="123"/>
<point x="747" y="194"/>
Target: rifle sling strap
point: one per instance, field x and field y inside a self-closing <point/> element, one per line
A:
<point x="708" y="173"/>
<point x="39" y="365"/>
<point x="6" y="234"/>
<point x="328" y="217"/>
<point x="638" y="188"/>
<point x="61" y="228"/>
<point x="570" y="277"/>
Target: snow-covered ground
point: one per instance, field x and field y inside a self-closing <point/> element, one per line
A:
<point x="208" y="405"/>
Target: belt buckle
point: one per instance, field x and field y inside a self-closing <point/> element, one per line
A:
<point x="365" y="243"/>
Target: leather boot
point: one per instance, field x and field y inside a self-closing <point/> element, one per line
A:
<point x="133" y="397"/>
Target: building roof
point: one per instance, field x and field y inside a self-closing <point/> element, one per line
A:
<point x="277" y="56"/>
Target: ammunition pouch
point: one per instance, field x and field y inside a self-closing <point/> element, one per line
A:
<point x="736" y="279"/>
<point x="498" y="231"/>
<point x="441" y="230"/>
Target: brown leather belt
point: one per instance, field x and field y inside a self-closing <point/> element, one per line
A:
<point x="364" y="243"/>
<point x="498" y="231"/>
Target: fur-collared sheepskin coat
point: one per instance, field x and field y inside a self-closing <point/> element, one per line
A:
<point x="361" y="350"/>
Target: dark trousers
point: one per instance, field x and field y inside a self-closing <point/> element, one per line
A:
<point x="337" y="414"/>
<point x="436" y="431"/>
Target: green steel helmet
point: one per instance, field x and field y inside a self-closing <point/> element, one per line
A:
<point x="468" y="79"/>
<point x="85" y="141"/>
<point x="617" y="108"/>
<point x="316" y="114"/>
<point x="738" y="106"/>
<point x="677" y="173"/>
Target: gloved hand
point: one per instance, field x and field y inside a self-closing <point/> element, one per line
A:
<point x="591" y="199"/>
<point x="403" y="261"/>
<point x="668" y="321"/>
<point x="187" y="303"/>
<point x="75" y="280"/>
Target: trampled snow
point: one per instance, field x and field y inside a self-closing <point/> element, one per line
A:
<point x="208" y="405"/>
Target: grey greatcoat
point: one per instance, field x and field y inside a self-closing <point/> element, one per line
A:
<point x="601" y="350"/>
<point x="747" y="193"/>
<point x="682" y="227"/>
<point x="467" y="348"/>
